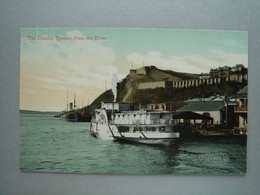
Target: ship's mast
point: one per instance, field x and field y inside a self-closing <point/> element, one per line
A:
<point x="67" y="100"/>
<point x="105" y="90"/>
<point x="74" y="101"/>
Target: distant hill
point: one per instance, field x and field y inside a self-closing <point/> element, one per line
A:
<point x="107" y="96"/>
<point x="128" y="89"/>
<point x="36" y="112"/>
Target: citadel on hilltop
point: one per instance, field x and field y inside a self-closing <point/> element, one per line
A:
<point x="146" y="70"/>
<point x="237" y="73"/>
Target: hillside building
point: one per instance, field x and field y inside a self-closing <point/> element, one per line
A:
<point x="227" y="71"/>
<point x="169" y="106"/>
<point x="204" y="76"/>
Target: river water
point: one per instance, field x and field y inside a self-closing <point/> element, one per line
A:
<point x="49" y="144"/>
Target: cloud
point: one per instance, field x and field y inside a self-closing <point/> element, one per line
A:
<point x="52" y="66"/>
<point x="79" y="57"/>
<point x="74" y="33"/>
<point x="78" y="65"/>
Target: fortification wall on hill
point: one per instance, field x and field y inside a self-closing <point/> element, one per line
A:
<point x="167" y="79"/>
<point x="154" y="85"/>
<point x="192" y="82"/>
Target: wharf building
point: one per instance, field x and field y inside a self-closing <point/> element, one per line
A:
<point x="218" y="108"/>
<point x="215" y="111"/>
<point x="213" y="108"/>
<point x="241" y="109"/>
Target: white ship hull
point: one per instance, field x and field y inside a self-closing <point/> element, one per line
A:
<point x="148" y="133"/>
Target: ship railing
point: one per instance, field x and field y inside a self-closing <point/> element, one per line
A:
<point x="111" y="122"/>
<point x="146" y="122"/>
<point x="162" y="122"/>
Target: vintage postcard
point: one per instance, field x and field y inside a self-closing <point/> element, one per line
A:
<point x="133" y="101"/>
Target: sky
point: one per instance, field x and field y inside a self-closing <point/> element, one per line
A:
<point x="56" y="60"/>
